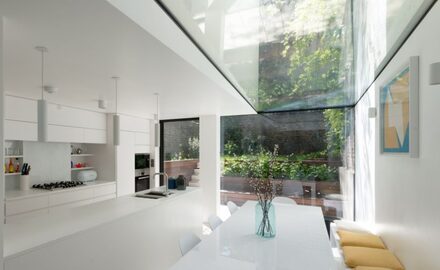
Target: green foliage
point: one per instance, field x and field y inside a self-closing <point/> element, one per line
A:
<point x="335" y="134"/>
<point x="230" y="148"/>
<point x="306" y="64"/>
<point x="285" y="167"/>
<point x="189" y="150"/>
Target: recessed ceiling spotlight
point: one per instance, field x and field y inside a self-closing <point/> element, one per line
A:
<point x="50" y="89"/>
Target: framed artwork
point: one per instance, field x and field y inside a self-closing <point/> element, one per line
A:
<point x="399" y="103"/>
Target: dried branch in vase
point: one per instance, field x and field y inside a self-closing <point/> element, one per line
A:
<point x="267" y="188"/>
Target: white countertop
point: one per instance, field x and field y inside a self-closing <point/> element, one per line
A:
<point x="33" y="192"/>
<point x="301" y="242"/>
<point x="36" y="231"/>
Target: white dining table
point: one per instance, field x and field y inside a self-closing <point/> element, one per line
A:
<point x="301" y="243"/>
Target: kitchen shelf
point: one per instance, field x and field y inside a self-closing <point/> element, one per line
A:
<point x="20" y="156"/>
<point x="82" y="168"/>
<point x="82" y="155"/>
<point x="11" y="174"/>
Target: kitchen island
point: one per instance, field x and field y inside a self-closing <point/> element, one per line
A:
<point x="121" y="233"/>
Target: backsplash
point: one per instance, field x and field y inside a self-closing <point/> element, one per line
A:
<point x="49" y="161"/>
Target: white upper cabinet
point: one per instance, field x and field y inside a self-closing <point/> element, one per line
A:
<point x="65" y="134"/>
<point x="142" y="138"/>
<point x="73" y="117"/>
<point x="21" y="119"/>
<point x="21" y="109"/>
<point x="67" y="124"/>
<point x="135" y="124"/>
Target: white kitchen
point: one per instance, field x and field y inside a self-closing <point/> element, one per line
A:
<point x="83" y="90"/>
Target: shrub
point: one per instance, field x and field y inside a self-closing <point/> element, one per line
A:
<point x="286" y="167"/>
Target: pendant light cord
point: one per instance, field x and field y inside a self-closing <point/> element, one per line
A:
<point x="42" y="74"/>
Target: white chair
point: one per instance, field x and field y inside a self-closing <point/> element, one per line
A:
<point x="232" y="207"/>
<point x="284" y="200"/>
<point x="214" y="221"/>
<point x="187" y="242"/>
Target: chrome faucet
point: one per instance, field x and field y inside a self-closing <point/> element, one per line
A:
<point x="166" y="193"/>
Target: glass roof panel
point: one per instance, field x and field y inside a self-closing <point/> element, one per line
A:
<point x="279" y="54"/>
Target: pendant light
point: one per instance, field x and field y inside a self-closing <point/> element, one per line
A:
<point x="156" y="122"/>
<point x="42" y="103"/>
<point x="116" y="119"/>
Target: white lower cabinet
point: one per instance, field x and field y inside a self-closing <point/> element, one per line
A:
<point x="80" y="203"/>
<point x="22" y="208"/>
<point x="69" y="197"/>
<point x="104" y="190"/>
<point x="24" y="216"/>
<point x="26" y="205"/>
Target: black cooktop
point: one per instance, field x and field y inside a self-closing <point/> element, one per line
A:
<point x="60" y="184"/>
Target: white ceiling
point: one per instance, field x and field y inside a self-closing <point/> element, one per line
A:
<point x="89" y="41"/>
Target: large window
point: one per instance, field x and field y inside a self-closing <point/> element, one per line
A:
<point x="315" y="159"/>
<point x="180" y="149"/>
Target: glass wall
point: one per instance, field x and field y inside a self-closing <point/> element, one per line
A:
<point x="315" y="159"/>
<point x="380" y="28"/>
<point x="180" y="149"/>
<point x="281" y="55"/>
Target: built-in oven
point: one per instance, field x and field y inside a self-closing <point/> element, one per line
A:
<point x="141" y="161"/>
<point x="142" y="182"/>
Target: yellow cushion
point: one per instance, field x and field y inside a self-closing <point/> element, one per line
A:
<point x="356" y="239"/>
<point x="371" y="268"/>
<point x="372" y="257"/>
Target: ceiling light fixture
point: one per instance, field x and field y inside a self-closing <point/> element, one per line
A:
<point x="42" y="103"/>
<point x="50" y="89"/>
<point x="102" y="104"/>
<point x="116" y="118"/>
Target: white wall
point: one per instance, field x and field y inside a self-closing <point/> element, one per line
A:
<point x="406" y="190"/>
<point x="50" y="161"/>
<point x="365" y="156"/>
<point x="2" y="177"/>
<point x="210" y="163"/>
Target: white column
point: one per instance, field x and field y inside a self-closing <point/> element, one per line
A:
<point x="210" y="163"/>
<point x="2" y="177"/>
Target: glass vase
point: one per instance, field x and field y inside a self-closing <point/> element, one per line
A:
<point x="265" y="225"/>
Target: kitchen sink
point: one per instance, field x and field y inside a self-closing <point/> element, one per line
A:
<point x="152" y="195"/>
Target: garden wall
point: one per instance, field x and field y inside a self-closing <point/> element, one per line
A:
<point x="175" y="168"/>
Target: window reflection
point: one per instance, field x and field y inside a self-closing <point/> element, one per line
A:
<point x="280" y="54"/>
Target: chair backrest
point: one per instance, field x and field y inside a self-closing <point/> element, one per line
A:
<point x="284" y="200"/>
<point x="187" y="242"/>
<point x="214" y="221"/>
<point x="232" y="207"/>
